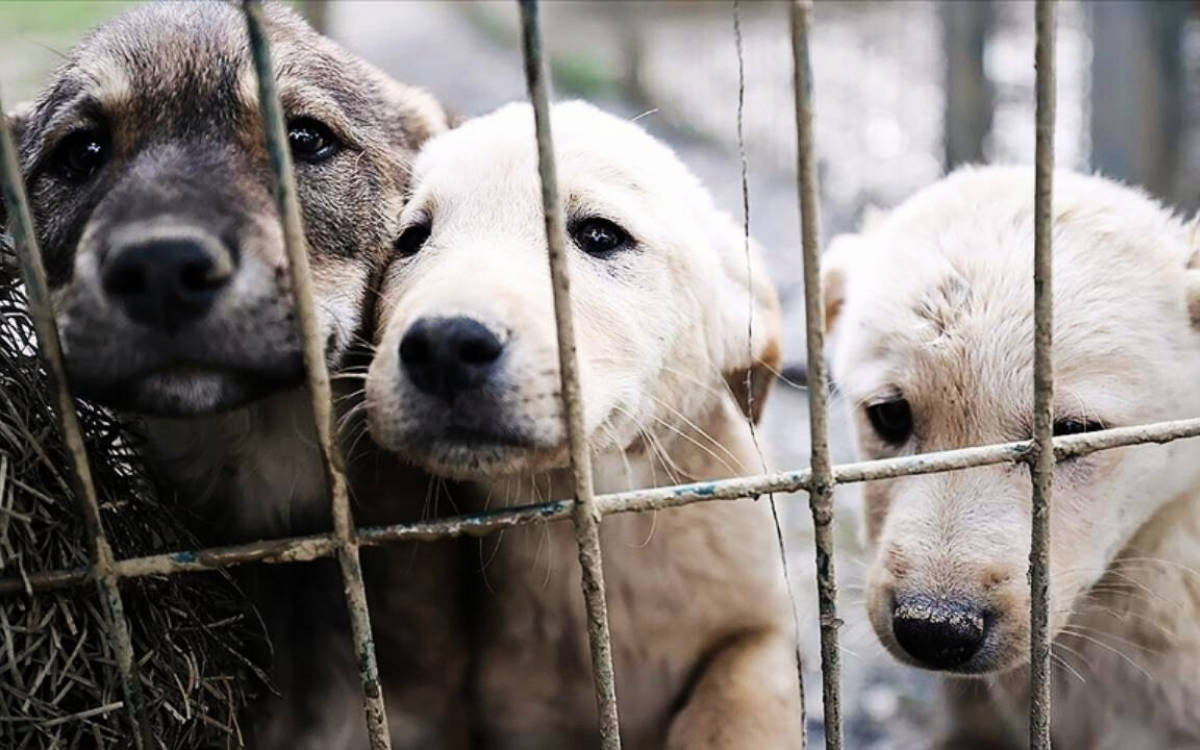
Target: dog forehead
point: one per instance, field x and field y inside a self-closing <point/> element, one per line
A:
<point x="593" y="149"/>
<point x="189" y="62"/>
<point x="942" y="296"/>
<point x="158" y="49"/>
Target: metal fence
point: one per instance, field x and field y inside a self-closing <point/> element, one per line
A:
<point x="587" y="509"/>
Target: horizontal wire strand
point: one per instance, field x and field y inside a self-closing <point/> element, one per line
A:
<point x="316" y="546"/>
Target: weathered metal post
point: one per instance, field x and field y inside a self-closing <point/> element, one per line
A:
<point x="821" y="483"/>
<point x="584" y="513"/>
<point x="1043" y="459"/>
<point x="318" y="375"/>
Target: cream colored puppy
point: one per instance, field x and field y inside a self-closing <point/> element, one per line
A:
<point x="465" y="383"/>
<point x="931" y="311"/>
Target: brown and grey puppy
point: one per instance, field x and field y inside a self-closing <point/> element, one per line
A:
<point x="148" y="174"/>
<point x="465" y="383"/>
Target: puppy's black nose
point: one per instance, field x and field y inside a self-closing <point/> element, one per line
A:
<point x="165" y="283"/>
<point x="939" y="633"/>
<point x="447" y="356"/>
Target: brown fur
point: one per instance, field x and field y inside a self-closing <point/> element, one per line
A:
<point x="170" y="91"/>
<point x="171" y="88"/>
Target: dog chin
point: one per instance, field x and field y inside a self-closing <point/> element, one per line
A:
<point x="475" y="456"/>
<point x="187" y="391"/>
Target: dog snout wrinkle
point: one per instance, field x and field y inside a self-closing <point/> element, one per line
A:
<point x="939" y="633"/>
<point x="447" y="356"/>
<point x="165" y="283"/>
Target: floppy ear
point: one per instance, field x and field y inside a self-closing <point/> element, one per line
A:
<point x="414" y="115"/>
<point x="835" y="262"/>
<point x="750" y="350"/>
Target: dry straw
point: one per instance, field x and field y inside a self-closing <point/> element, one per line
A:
<point x="192" y="636"/>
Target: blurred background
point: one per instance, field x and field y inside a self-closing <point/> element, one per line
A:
<point x="904" y="91"/>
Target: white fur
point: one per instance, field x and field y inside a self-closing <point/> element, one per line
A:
<point x="934" y="303"/>
<point x="699" y="614"/>
<point x="679" y="301"/>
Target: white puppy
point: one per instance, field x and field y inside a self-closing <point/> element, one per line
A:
<point x="465" y="383"/>
<point x="931" y="311"/>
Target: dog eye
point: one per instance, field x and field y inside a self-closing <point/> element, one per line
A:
<point x="311" y="141"/>
<point x="1071" y="426"/>
<point x="81" y="154"/>
<point x="412" y="238"/>
<point x="599" y="237"/>
<point x="892" y="420"/>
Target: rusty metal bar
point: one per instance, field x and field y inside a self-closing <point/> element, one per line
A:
<point x="305" y="548"/>
<point x="37" y="291"/>
<point x="1042" y="457"/>
<point x="584" y="513"/>
<point x="301" y="549"/>
<point x="821" y="483"/>
<point x="275" y="131"/>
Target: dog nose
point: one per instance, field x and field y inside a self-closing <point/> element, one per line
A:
<point x="446" y="356"/>
<point x="165" y="283"/>
<point x="939" y="633"/>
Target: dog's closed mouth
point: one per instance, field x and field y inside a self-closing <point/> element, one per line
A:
<point x="185" y="387"/>
<point x="486" y="437"/>
<point x="184" y="371"/>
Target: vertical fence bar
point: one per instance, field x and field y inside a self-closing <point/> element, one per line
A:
<point x="318" y="376"/>
<point x="585" y="514"/>
<point x="1042" y="466"/>
<point x="820" y="493"/>
<point x="36" y="289"/>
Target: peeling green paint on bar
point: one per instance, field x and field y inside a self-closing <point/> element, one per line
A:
<point x="299" y="549"/>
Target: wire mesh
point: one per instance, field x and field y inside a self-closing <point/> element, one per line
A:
<point x="587" y="509"/>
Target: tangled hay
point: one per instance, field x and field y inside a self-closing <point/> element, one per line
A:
<point x="192" y="634"/>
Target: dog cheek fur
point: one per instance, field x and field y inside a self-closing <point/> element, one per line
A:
<point x="60" y="216"/>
